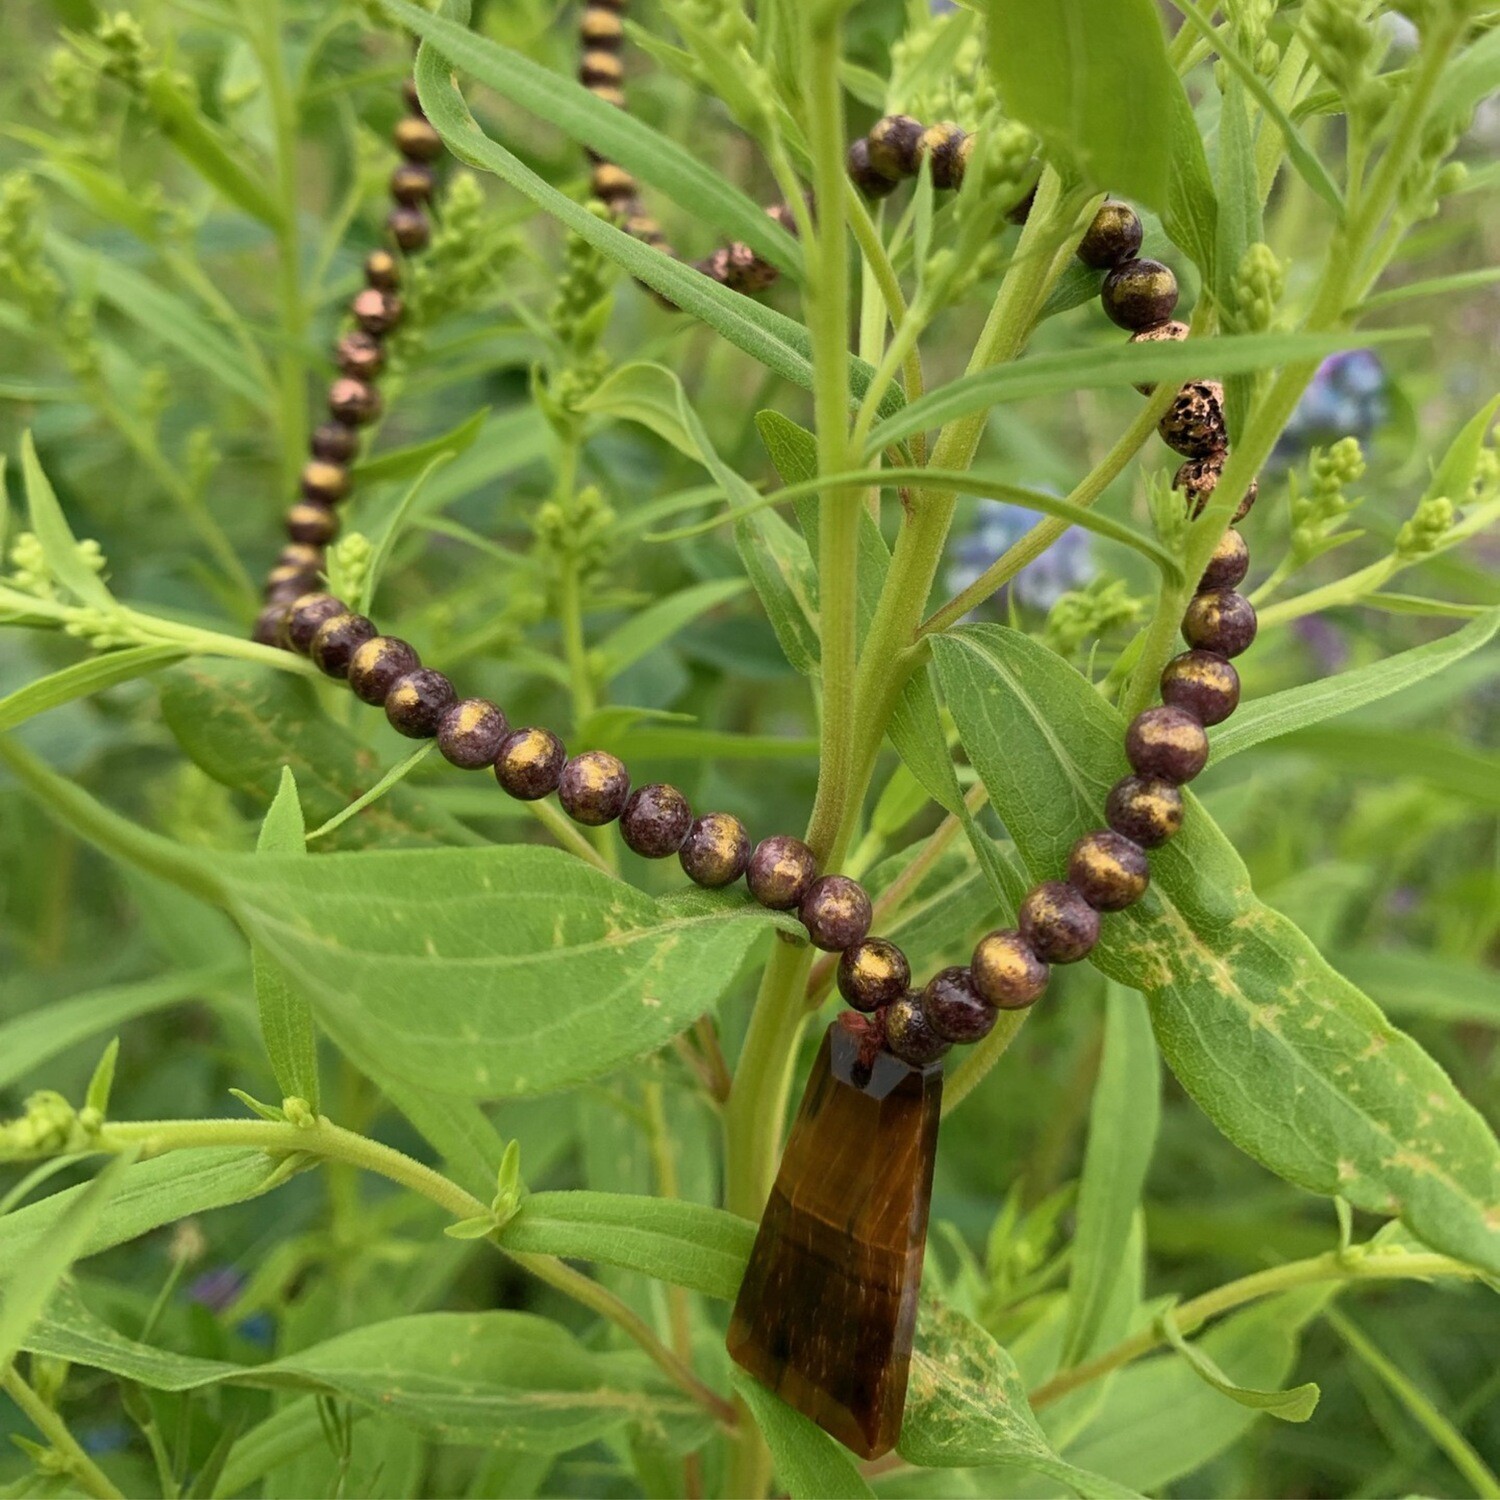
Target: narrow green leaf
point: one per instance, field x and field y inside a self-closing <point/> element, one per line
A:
<point x="1303" y="157"/>
<point x="684" y="1244"/>
<point x="286" y="1020"/>
<point x="1122" y="1132"/>
<point x="781" y="570"/>
<point x="407" y="463"/>
<point x="209" y="151"/>
<point x="393" y="777"/>
<point x="776" y="341"/>
<point x="59" y="545"/>
<point x="83" y="678"/>
<point x="1092" y="78"/>
<point x="1294" y="1405"/>
<point x="1433" y="286"/>
<point x="161" y="314"/>
<point x="966" y="1408"/>
<point x="1455" y="473"/>
<point x="1366" y="750"/>
<point x="618" y="134"/>
<point x="393" y="528"/>
<point x="101" y="1085"/>
<point x="1238" y="228"/>
<point x="1244" y="1007"/>
<point x="493" y="1378"/>
<point x="809" y="1464"/>
<point x="151" y="1193"/>
<point x="1121" y="364"/>
<point x="30" y="1284"/>
<point x="1470" y="78"/>
<point x="28" y="1041"/>
<point x="659" y="622"/>
<point x="1191" y="214"/>
<point x="1282" y="713"/>
<point x="1424" y="985"/>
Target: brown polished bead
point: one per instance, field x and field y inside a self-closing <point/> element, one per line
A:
<point x="416" y="140"/>
<point x="417" y="701"/>
<point x="356" y="402"/>
<point x="1220" y="620"/>
<point x="716" y="850"/>
<point x="1138" y="294"/>
<point x="600" y="28"/>
<point x="1114" y="236"/>
<point x="470" y="733"/>
<point x="335" y="441"/>
<point x="599" y="66"/>
<point x="594" y="787"/>
<point x="374" y="668"/>
<point x="1108" y="870"/>
<point x="304" y="617"/>
<point x="826" y="1311"/>
<point x="1170" y="332"/>
<point x="943" y="145"/>
<point x="410" y="228"/>
<point x="311" y="522"/>
<point x="300" y="555"/>
<point x="895" y="146"/>
<point x="383" y="271"/>
<point x="1006" y="972"/>
<point x="1194" y="423"/>
<point x="609" y="94"/>
<point x="644" y="228"/>
<point x="1166" y="742"/>
<point x="290" y="581"/>
<point x="529" y="763"/>
<point x="337" y="639"/>
<point x="1203" y="683"/>
<point x="836" y="912"/>
<point x="909" y="1032"/>
<point x="1146" y="809"/>
<point x="862" y="173"/>
<point x="1058" y="924"/>
<point x="780" y="871"/>
<point x="268" y="623"/>
<point x="324" y="482"/>
<point x="1228" y="564"/>
<point x="744" y="270"/>
<point x="656" y="820"/>
<point x="359" y="354"/>
<point x="375" y="311"/>
<point x="955" y="1009"/>
<point x="612" y="184"/>
<point x="411" y="183"/>
<point x="873" y="973"/>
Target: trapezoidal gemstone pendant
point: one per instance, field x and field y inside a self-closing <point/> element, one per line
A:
<point x="827" y="1308"/>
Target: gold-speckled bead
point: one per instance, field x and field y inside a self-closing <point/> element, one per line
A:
<point x="943" y="146"/>
<point x="781" y="870"/>
<point x="716" y="850"/>
<point x="1202" y="682"/>
<point x="1146" y="809"/>
<point x="1058" y="924"/>
<point x="1172" y="331"/>
<point x="1166" y="742"/>
<point x="873" y="973"/>
<point x="470" y="733"/>
<point x="594" y="788"/>
<point x="836" y="912"/>
<point x="599" y="28"/>
<point x="611" y="183"/>
<point x="529" y="763"/>
<point x="1108" y="870"/>
<point x="1194" y="422"/>
<point x="896" y="146"/>
<point x="599" y="66"/>
<point x="1006" y="970"/>
<point x="376" y="666"/>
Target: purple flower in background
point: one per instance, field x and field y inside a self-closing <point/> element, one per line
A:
<point x="1066" y="565"/>
<point x="1325" y="641"/>
<point x="1346" y="398"/>
<point x="217" y="1289"/>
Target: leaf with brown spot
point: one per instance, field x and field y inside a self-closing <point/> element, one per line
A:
<point x="1292" y="1062"/>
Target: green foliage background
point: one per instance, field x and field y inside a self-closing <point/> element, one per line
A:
<point x="261" y="1299"/>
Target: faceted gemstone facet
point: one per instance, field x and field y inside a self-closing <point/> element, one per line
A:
<point x="828" y="1304"/>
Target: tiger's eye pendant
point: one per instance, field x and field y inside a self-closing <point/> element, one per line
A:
<point x="827" y="1308"/>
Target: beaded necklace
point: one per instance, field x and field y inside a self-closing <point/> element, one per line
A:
<point x="827" y="1309"/>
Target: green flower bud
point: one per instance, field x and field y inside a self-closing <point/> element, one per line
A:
<point x="1086" y="614"/>
<point x="127" y="55"/>
<point x="1424" y="532"/>
<point x="1259" y="282"/>
<point x="1342" y="41"/>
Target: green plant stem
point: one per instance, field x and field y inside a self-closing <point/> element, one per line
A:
<point x="979" y="1059"/>
<point x="88" y="1475"/>
<point x="565" y="831"/>
<point x="329" y="1142"/>
<point x="291" y="355"/>
<point x="1335" y="1265"/>
<point x="1423" y="1412"/>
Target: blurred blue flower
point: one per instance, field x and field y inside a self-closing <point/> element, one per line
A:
<point x="1346" y="398"/>
<point x="216" y="1289"/>
<point x="108" y="1437"/>
<point x="1325" y="641"/>
<point x="1067" y="564"/>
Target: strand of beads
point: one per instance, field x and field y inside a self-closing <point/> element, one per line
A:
<point x="354" y="398"/>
